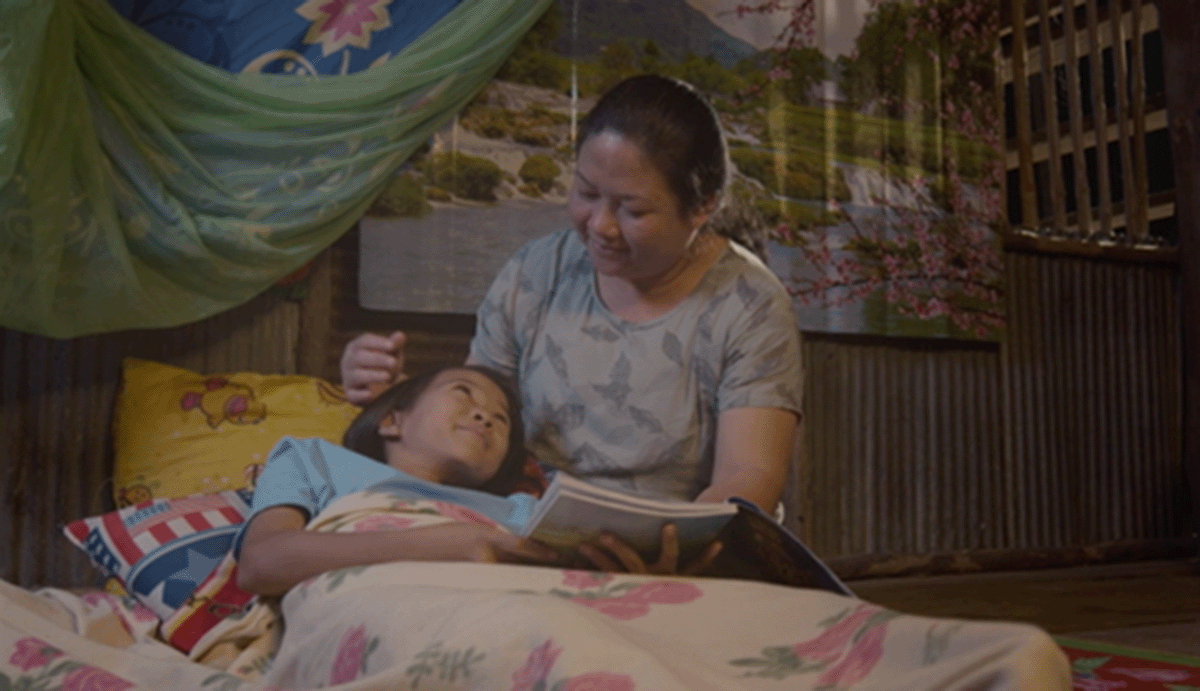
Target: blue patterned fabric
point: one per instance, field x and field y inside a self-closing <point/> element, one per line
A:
<point x="329" y="37"/>
<point x="143" y="188"/>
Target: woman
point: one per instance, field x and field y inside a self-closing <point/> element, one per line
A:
<point x="653" y="355"/>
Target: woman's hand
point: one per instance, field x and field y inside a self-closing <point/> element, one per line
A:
<point x="610" y="553"/>
<point x="371" y="363"/>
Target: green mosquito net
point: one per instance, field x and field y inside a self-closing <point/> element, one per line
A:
<point x="140" y="187"/>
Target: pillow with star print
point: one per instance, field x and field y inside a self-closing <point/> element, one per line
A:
<point x="161" y="550"/>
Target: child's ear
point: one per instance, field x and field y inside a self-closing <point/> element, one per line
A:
<point x="389" y="426"/>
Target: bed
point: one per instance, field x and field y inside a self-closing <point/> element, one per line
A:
<point x="169" y="615"/>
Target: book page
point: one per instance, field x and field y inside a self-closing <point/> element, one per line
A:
<point x="565" y="518"/>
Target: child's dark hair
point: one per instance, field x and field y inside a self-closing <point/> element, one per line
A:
<point x="363" y="434"/>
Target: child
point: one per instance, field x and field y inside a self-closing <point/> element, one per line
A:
<point x="452" y="435"/>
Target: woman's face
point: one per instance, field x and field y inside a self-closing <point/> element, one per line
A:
<point x="625" y="212"/>
<point x="461" y="423"/>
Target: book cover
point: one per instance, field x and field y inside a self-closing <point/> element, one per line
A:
<point x="757" y="547"/>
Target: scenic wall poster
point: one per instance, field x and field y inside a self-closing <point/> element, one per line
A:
<point x="864" y="135"/>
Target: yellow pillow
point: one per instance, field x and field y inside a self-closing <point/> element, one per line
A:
<point x="178" y="433"/>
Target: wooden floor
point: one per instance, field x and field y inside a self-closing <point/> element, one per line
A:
<point x="1152" y="605"/>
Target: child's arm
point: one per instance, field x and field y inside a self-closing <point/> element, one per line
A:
<point x="277" y="553"/>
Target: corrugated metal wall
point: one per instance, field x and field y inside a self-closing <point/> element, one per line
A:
<point x="1065" y="436"/>
<point x="905" y="449"/>
<point x="1092" y="367"/>
<point x="56" y="399"/>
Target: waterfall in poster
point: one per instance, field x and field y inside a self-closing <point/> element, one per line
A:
<point x="864" y="134"/>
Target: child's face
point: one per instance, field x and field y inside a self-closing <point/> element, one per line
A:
<point x="459" y="423"/>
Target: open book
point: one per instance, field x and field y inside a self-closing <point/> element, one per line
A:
<point x="572" y="511"/>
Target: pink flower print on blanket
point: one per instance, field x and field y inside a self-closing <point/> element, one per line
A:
<point x="88" y="678"/>
<point x="351" y="656"/>
<point x="858" y="663"/>
<point x="384" y="522"/>
<point x="599" y="681"/>
<point x="586" y="579"/>
<point x="845" y="652"/>
<point x="32" y="652"/>
<point x="537" y="666"/>
<point x="533" y="675"/>
<point x="830" y="643"/>
<point x="624" y="600"/>
<point x="461" y="513"/>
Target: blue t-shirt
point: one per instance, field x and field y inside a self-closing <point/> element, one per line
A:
<point x="310" y="474"/>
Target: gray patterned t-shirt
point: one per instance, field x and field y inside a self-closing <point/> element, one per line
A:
<point x="634" y="406"/>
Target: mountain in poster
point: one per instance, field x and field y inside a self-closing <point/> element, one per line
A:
<point x="675" y="26"/>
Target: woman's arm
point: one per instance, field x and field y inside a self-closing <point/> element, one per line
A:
<point x="277" y="553"/>
<point x="754" y="449"/>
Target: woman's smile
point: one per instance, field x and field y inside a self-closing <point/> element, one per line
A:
<point x="612" y="252"/>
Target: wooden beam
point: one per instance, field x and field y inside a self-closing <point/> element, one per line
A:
<point x="316" y="318"/>
<point x="1058" y="198"/>
<point x="1099" y="119"/>
<point x="1020" y="82"/>
<point x="1178" y="20"/>
<point x="1083" y="189"/>
<point x="1138" y="223"/>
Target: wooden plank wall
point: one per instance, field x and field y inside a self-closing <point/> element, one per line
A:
<point x="56" y="401"/>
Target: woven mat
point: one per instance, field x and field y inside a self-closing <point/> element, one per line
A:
<point x="1103" y="666"/>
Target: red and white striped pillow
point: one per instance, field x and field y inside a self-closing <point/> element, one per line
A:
<point x="161" y="550"/>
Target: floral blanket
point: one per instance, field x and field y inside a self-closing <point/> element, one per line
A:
<point x="433" y="626"/>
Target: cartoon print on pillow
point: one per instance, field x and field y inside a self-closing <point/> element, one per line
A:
<point x="225" y="401"/>
<point x="135" y="494"/>
<point x="222" y="482"/>
<point x="330" y="394"/>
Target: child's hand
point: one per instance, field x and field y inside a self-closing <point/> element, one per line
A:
<point x="490" y="545"/>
